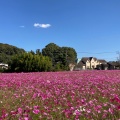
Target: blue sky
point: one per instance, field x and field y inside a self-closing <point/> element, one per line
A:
<point x="91" y="27"/>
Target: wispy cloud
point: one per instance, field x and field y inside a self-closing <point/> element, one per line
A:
<point x="37" y="25"/>
<point x="22" y="26"/>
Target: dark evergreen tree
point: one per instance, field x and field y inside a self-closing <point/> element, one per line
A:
<point x="61" y="56"/>
<point x="7" y="51"/>
<point x="38" y="52"/>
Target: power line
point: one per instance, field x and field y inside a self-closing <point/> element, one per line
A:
<point x="87" y="52"/>
<point x="96" y="53"/>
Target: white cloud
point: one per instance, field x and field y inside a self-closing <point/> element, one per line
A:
<point x="22" y="26"/>
<point x="37" y="25"/>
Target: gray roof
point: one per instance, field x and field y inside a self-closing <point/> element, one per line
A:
<point x="80" y="64"/>
<point x="102" y="61"/>
<point x="84" y="59"/>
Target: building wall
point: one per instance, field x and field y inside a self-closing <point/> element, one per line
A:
<point x="71" y="66"/>
<point x="94" y="63"/>
<point x="91" y="64"/>
<point x="87" y="64"/>
<point x="84" y="68"/>
<point x="5" y="66"/>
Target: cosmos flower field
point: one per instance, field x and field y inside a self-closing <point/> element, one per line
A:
<point x="77" y="95"/>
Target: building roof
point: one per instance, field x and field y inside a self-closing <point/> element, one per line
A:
<point x="112" y="63"/>
<point x="80" y="64"/>
<point x="102" y="61"/>
<point x="94" y="58"/>
<point x="84" y="59"/>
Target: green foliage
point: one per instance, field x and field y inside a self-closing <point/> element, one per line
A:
<point x="52" y="58"/>
<point x="7" y="51"/>
<point x="51" y="51"/>
<point x="61" y="56"/>
<point x="38" y="52"/>
<point x="1" y="70"/>
<point x="28" y="62"/>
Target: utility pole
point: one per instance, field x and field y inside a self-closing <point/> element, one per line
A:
<point x="118" y="58"/>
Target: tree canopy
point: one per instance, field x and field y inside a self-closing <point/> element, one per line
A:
<point x="7" y="51"/>
<point x="52" y="58"/>
<point x="61" y="56"/>
<point x="27" y="62"/>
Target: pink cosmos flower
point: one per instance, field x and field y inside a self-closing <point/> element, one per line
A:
<point x="26" y="118"/>
<point x="20" y="110"/>
<point x="13" y="112"/>
<point x="36" y="111"/>
<point x="118" y="107"/>
<point x="110" y="110"/>
<point x="34" y="95"/>
<point x="36" y="107"/>
<point x="88" y="111"/>
<point x="76" y="112"/>
<point x="45" y="113"/>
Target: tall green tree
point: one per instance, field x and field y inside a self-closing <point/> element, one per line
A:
<point x="51" y="50"/>
<point x="28" y="62"/>
<point x="7" y="51"/>
<point x="38" y="52"/>
<point x="61" y="56"/>
<point x="69" y="55"/>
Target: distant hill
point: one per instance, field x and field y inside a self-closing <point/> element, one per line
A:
<point x="7" y="51"/>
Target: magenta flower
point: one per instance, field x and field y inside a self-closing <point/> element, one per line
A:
<point x="13" y="112"/>
<point x="45" y="113"/>
<point x="36" y="107"/>
<point x="110" y="110"/>
<point x="20" y="110"/>
<point x="118" y="107"/>
<point x="26" y="118"/>
<point x="36" y="111"/>
<point x="64" y="95"/>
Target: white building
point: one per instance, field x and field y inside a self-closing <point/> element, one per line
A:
<point x="3" y="65"/>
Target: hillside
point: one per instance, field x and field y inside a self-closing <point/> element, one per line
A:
<point x="7" y="51"/>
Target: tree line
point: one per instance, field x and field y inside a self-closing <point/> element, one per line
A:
<point x="51" y="58"/>
<point x="7" y="51"/>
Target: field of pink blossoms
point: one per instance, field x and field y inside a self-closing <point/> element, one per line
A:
<point x="79" y="95"/>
